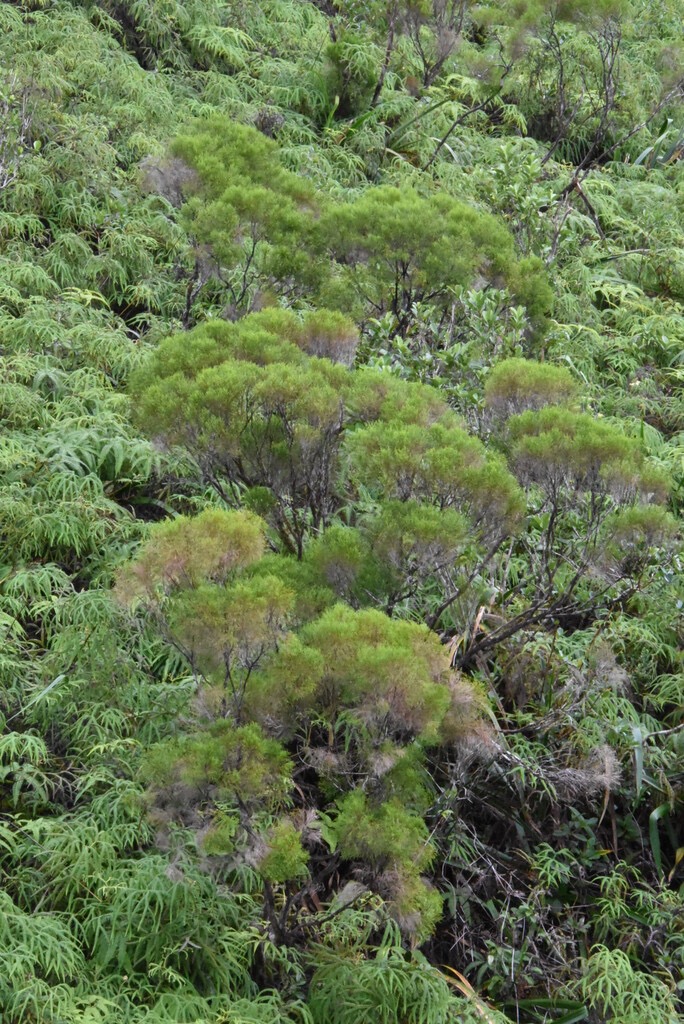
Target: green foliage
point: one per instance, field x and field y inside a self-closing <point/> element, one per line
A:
<point x="387" y="836"/>
<point x="184" y="553"/>
<point x="266" y="234"/>
<point x="394" y="292"/>
<point x="372" y="682"/>
<point x="554" y="446"/>
<point x="610" y="984"/>
<point x="285" y="859"/>
<point x="223" y="764"/>
<point x="175" y="35"/>
<point x="515" y="385"/>
<point x="387" y="988"/>
<point x="394" y="672"/>
<point x="277" y="430"/>
<point x="394" y="248"/>
<point x="438" y="464"/>
<point x="394" y="555"/>
<point x="248" y="212"/>
<point x="350" y="75"/>
<point x="274" y="427"/>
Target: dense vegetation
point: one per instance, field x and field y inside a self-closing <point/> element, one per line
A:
<point x="341" y="483"/>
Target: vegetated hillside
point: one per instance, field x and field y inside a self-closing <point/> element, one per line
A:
<point x="342" y="471"/>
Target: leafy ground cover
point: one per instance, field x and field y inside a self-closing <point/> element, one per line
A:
<point x="341" y="483"/>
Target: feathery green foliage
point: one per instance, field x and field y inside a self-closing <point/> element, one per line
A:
<point x="341" y="482"/>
